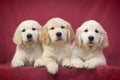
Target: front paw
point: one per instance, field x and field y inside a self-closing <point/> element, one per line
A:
<point x="89" y="65"/>
<point x="66" y="64"/>
<point x="52" y="68"/>
<point x="38" y="63"/>
<point x="17" y="64"/>
<point x="77" y="64"/>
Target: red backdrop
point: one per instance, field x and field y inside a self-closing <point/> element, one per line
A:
<point x="107" y="12"/>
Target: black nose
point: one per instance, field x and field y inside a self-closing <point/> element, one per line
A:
<point x="59" y="34"/>
<point x="29" y="36"/>
<point x="91" y="38"/>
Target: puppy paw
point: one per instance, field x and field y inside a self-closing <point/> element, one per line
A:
<point x="17" y="64"/>
<point x="38" y="63"/>
<point x="77" y="64"/>
<point x="66" y="63"/>
<point x="52" y="68"/>
<point x="89" y="65"/>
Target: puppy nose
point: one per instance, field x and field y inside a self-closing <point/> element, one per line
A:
<point x="59" y="34"/>
<point x="29" y="36"/>
<point x="91" y="38"/>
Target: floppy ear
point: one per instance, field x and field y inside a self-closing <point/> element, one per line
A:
<point x="40" y="31"/>
<point x="70" y="33"/>
<point x="104" y="40"/>
<point x="17" y="37"/>
<point x="44" y="37"/>
<point x="78" y="40"/>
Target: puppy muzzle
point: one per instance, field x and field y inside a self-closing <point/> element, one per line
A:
<point x="59" y="36"/>
<point x="91" y="40"/>
<point x="29" y="38"/>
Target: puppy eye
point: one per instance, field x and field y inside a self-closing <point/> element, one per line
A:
<point x="96" y="31"/>
<point x="33" y="29"/>
<point x="52" y="28"/>
<point x="62" y="27"/>
<point x="23" y="30"/>
<point x="85" y="30"/>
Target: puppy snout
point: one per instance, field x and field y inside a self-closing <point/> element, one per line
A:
<point x="91" y="38"/>
<point x="29" y="36"/>
<point x="58" y="34"/>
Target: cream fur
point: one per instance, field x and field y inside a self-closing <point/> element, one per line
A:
<point x="85" y="55"/>
<point x="28" y="53"/>
<point x="56" y="52"/>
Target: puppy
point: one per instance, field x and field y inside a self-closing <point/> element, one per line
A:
<point x="56" y="36"/>
<point x="87" y="52"/>
<point x="28" y="50"/>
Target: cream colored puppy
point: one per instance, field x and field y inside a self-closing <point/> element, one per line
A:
<point x="28" y="50"/>
<point x="56" y="36"/>
<point x="90" y="39"/>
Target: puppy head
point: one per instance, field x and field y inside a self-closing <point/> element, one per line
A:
<point x="56" y="30"/>
<point x="27" y="32"/>
<point x="91" y="34"/>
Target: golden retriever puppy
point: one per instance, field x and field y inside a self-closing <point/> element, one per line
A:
<point x="56" y="36"/>
<point x="29" y="49"/>
<point x="87" y="52"/>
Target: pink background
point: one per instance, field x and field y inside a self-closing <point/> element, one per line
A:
<point x="107" y="12"/>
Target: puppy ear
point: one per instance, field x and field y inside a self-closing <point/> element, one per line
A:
<point x="39" y="37"/>
<point x="17" y="37"/>
<point x="78" y="40"/>
<point x="44" y="37"/>
<point x="104" y="40"/>
<point x="70" y="33"/>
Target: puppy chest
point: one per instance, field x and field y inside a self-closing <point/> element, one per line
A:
<point x="61" y="54"/>
<point x="86" y="55"/>
<point x="31" y="57"/>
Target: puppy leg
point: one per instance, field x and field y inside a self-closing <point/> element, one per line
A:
<point x="77" y="63"/>
<point x="18" y="59"/>
<point x="51" y="65"/>
<point x="93" y="63"/>
<point x="17" y="62"/>
<point x="90" y="64"/>
<point x="66" y="62"/>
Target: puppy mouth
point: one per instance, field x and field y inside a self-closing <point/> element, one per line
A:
<point x="59" y="39"/>
<point x="91" y="42"/>
<point x="30" y="40"/>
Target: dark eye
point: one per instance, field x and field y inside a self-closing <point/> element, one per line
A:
<point x="85" y="30"/>
<point x="96" y="31"/>
<point x="62" y="27"/>
<point x="52" y="28"/>
<point x="33" y="29"/>
<point x="23" y="30"/>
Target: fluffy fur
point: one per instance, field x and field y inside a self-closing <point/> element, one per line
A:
<point x="87" y="52"/>
<point x="56" y="36"/>
<point x="28" y="50"/>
